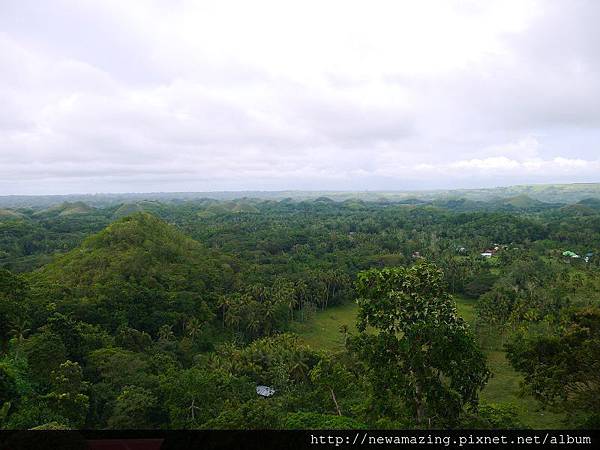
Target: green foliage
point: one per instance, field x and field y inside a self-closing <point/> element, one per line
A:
<point x="66" y="397"/>
<point x="13" y="305"/>
<point x="492" y="417"/>
<point x="122" y="313"/>
<point x="8" y="383"/>
<point x="133" y="340"/>
<point x="134" y="409"/>
<point x="563" y="370"/>
<point x="259" y="310"/>
<point x="118" y="367"/>
<point x="333" y="378"/>
<point x="479" y="284"/>
<point x="45" y="352"/>
<point x="138" y="272"/>
<point x="422" y="354"/>
<point x="195" y="395"/>
<point x="281" y="361"/>
<point x="257" y="414"/>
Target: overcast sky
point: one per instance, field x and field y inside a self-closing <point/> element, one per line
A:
<point x="135" y="96"/>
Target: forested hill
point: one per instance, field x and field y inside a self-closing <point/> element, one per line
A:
<point x="139" y="271"/>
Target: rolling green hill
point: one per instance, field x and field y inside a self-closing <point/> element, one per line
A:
<point x="138" y="271"/>
<point x="67" y="209"/>
<point x="9" y="214"/>
<point x="522" y="201"/>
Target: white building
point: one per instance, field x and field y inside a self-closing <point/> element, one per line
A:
<point x="265" y="391"/>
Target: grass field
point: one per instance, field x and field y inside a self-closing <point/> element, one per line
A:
<point x="322" y="331"/>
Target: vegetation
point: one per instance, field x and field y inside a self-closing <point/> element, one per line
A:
<point x="422" y="358"/>
<point x="137" y="313"/>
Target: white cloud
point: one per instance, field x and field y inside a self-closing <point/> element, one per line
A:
<point x="112" y="95"/>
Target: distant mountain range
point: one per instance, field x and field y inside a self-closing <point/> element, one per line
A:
<point x="519" y="197"/>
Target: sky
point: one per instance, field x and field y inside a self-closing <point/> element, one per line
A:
<point x="147" y="96"/>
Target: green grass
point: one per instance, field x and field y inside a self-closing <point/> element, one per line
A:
<point x="322" y="332"/>
<point x="504" y="387"/>
<point x="466" y="308"/>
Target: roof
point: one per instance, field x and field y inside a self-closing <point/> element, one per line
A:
<point x="265" y="391"/>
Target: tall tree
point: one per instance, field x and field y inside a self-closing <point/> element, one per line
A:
<point x="420" y="351"/>
<point x="563" y="370"/>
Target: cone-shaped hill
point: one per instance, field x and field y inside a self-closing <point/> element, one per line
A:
<point x="9" y="214"/>
<point x="127" y="209"/>
<point x="592" y="203"/>
<point x="139" y="271"/>
<point x="66" y="209"/>
<point x="522" y="202"/>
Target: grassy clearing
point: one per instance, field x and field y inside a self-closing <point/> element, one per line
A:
<point x="322" y="331"/>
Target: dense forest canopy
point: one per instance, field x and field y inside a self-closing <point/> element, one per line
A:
<point x="132" y="312"/>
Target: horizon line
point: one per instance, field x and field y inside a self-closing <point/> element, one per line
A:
<point x="344" y="191"/>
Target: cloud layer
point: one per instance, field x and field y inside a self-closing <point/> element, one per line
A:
<point x="119" y="96"/>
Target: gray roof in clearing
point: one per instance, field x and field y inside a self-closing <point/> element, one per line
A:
<point x="265" y="391"/>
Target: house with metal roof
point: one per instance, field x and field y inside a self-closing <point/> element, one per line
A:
<point x="265" y="391"/>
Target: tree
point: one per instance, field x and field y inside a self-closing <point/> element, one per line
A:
<point x="67" y="398"/>
<point x="333" y="377"/>
<point x="193" y="328"/>
<point x="111" y="370"/>
<point x="496" y="306"/>
<point x="224" y="303"/>
<point x="8" y="384"/>
<point x="194" y="396"/>
<point x="134" y="340"/>
<point x="19" y="332"/>
<point x="563" y="370"/>
<point x="133" y="409"/>
<point x="256" y="414"/>
<point x="13" y="291"/>
<point x="45" y="352"/>
<point x="165" y="333"/>
<point x="421" y="352"/>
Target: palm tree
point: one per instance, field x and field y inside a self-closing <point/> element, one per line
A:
<point x="193" y="327"/>
<point x="253" y="325"/>
<point x="224" y="304"/>
<point x="300" y="294"/>
<point x="269" y="310"/>
<point x="165" y="333"/>
<point x="233" y="317"/>
<point x="292" y="302"/>
<point x="19" y="331"/>
<point x="298" y="365"/>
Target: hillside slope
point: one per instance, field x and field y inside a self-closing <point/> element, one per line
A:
<point x="139" y="271"/>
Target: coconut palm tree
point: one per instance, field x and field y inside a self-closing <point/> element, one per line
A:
<point x="19" y="332"/>
<point x="193" y="327"/>
<point x="253" y="325"/>
<point x="298" y="365"/>
<point x="224" y="304"/>
<point x="165" y="333"/>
